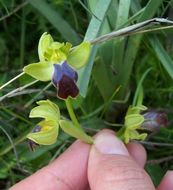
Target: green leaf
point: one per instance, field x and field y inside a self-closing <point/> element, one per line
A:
<point x="56" y="20"/>
<point x="103" y="73"/>
<point x="133" y="45"/>
<point x="94" y="29"/>
<point x="73" y="131"/>
<point x="78" y="57"/>
<point x="123" y="12"/>
<point x="139" y="91"/>
<point x="44" y="42"/>
<point x="156" y="173"/>
<point x="162" y="55"/>
<point x="47" y="135"/>
<point x="47" y="110"/>
<point x="42" y="71"/>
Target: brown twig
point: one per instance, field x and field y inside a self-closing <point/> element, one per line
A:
<point x="14" y="11"/>
<point x="154" y="143"/>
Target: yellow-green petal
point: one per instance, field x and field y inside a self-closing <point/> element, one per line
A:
<point x="42" y="71"/>
<point x="78" y="57"/>
<point x="136" y="109"/>
<point x="47" y="135"/>
<point x="44" y="42"/>
<point x="133" y="121"/>
<point x="47" y="110"/>
<point x="78" y="133"/>
<point x="133" y="135"/>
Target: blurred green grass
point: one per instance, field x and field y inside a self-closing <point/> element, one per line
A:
<point x="119" y="62"/>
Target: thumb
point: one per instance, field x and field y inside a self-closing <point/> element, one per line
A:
<point x="111" y="167"/>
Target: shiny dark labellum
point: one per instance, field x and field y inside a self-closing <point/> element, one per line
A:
<point x="64" y="79"/>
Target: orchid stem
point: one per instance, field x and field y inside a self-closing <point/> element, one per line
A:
<point x="120" y="133"/>
<point x="81" y="133"/>
<point x="71" y="112"/>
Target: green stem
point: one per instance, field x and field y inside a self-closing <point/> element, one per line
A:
<point x="120" y="133"/>
<point x="79" y="130"/>
<point x="71" y="113"/>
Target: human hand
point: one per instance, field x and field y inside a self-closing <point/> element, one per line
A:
<point x="106" y="165"/>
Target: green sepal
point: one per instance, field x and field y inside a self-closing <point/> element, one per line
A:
<point x="136" y="109"/>
<point x="48" y="134"/>
<point x="78" y="57"/>
<point x="47" y="110"/>
<point x="133" y="134"/>
<point x="44" y="42"/>
<point x="42" y="71"/>
<point x="133" y="121"/>
<point x="73" y="131"/>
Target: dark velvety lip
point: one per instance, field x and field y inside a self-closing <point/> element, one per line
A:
<point x="64" y="79"/>
<point x="67" y="87"/>
<point x="32" y="144"/>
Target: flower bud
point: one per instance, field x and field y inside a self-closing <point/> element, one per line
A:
<point x="153" y="121"/>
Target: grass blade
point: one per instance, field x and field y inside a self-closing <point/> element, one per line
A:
<point x="56" y="20"/>
<point x="133" y="46"/>
<point x="94" y="29"/>
<point x="162" y="55"/>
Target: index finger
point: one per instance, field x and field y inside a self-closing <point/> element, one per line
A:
<point x="67" y="172"/>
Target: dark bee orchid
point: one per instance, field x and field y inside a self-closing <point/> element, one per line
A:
<point x="46" y="131"/>
<point x="58" y="63"/>
<point x="64" y="79"/>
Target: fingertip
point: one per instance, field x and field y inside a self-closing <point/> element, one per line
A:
<point x="138" y="153"/>
<point x="110" y="165"/>
<point x="167" y="182"/>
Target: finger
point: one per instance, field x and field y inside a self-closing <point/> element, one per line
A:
<point x="110" y="166"/>
<point x="68" y="172"/>
<point x="167" y="182"/>
<point x="138" y="153"/>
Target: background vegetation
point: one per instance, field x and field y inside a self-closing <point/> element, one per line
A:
<point x="119" y="62"/>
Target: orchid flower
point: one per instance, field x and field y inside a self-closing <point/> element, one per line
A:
<point x="46" y="131"/>
<point x="133" y="122"/>
<point x="58" y="63"/>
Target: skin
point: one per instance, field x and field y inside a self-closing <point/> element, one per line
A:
<point x="107" y="164"/>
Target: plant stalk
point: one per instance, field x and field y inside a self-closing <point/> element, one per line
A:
<point x="71" y="113"/>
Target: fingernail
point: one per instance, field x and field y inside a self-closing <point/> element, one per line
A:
<point x="108" y="143"/>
